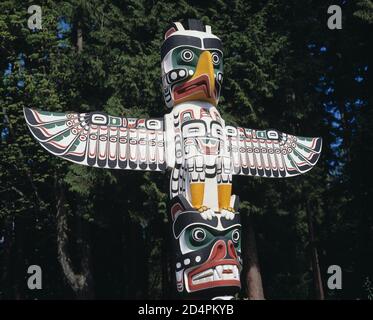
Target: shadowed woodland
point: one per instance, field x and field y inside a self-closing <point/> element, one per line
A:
<point x="103" y="233"/>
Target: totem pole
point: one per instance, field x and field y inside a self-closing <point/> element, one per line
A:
<point x="200" y="149"/>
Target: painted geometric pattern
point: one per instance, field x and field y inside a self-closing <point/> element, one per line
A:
<point x="99" y="140"/>
<point x="270" y="153"/>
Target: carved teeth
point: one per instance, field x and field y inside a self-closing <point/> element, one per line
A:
<point x="220" y="272"/>
<point x="203" y="274"/>
<point x="216" y="275"/>
<point x="179" y="275"/>
<point x="228" y="276"/>
<point x="219" y="269"/>
<point x="179" y="280"/>
<point x="235" y="272"/>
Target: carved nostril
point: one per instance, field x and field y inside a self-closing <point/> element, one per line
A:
<point x="232" y="250"/>
<point x="219" y="250"/>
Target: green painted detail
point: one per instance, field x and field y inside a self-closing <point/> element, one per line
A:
<point x="75" y="145"/>
<point x="62" y="135"/>
<point x="192" y="243"/>
<point x="48" y="113"/>
<point x="261" y="134"/>
<point x="297" y="154"/>
<point x="291" y="161"/>
<point x="114" y="121"/>
<point x="304" y="139"/>
<point x="210" y="236"/>
<point x="54" y="125"/>
<point x="178" y="62"/>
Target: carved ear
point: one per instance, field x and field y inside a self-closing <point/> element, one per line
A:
<point x="169" y="32"/>
<point x="175" y="26"/>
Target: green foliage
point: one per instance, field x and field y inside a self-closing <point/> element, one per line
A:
<point x="365" y="11"/>
<point x="271" y="80"/>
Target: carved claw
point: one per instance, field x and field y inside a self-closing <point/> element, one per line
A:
<point x="206" y="213"/>
<point x="227" y="212"/>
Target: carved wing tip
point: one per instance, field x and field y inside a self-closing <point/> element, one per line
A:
<point x="29" y="116"/>
<point x="321" y="141"/>
<point x="319" y="150"/>
<point x="26" y="114"/>
<point x="318" y="146"/>
<point x="317" y="153"/>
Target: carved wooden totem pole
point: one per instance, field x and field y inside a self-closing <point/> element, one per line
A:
<point x="200" y="149"/>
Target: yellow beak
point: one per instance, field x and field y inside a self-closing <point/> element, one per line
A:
<point x="205" y="66"/>
<point x="204" y="79"/>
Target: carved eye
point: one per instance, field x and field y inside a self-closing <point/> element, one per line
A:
<point x="215" y="58"/>
<point x="187" y="55"/>
<point x="236" y="236"/>
<point x="193" y="130"/>
<point x="216" y="130"/>
<point x="198" y="234"/>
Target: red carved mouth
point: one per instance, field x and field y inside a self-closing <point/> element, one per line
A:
<point x="199" y="85"/>
<point x="217" y="270"/>
<point x="208" y="146"/>
<point x="214" y="274"/>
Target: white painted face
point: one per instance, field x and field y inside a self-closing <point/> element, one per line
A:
<point x="205" y="136"/>
<point x="201" y="129"/>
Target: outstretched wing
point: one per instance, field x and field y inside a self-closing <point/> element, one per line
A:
<point x="99" y="140"/>
<point x="270" y="153"/>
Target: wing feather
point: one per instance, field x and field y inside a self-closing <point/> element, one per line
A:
<point x="99" y="140"/>
<point x="270" y="153"/>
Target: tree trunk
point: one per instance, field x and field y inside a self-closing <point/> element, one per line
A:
<point x="165" y="261"/>
<point x="251" y="271"/>
<point x="79" y="39"/>
<point x="7" y="244"/>
<point x="314" y="256"/>
<point x="81" y="283"/>
<point x="19" y="262"/>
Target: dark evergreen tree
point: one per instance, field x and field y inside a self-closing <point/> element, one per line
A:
<point x="102" y="233"/>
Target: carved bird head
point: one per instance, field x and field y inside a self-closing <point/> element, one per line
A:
<point x="192" y="64"/>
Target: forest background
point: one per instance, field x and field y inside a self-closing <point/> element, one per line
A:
<point x="105" y="234"/>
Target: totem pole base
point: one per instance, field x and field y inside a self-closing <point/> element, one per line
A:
<point x="207" y="251"/>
